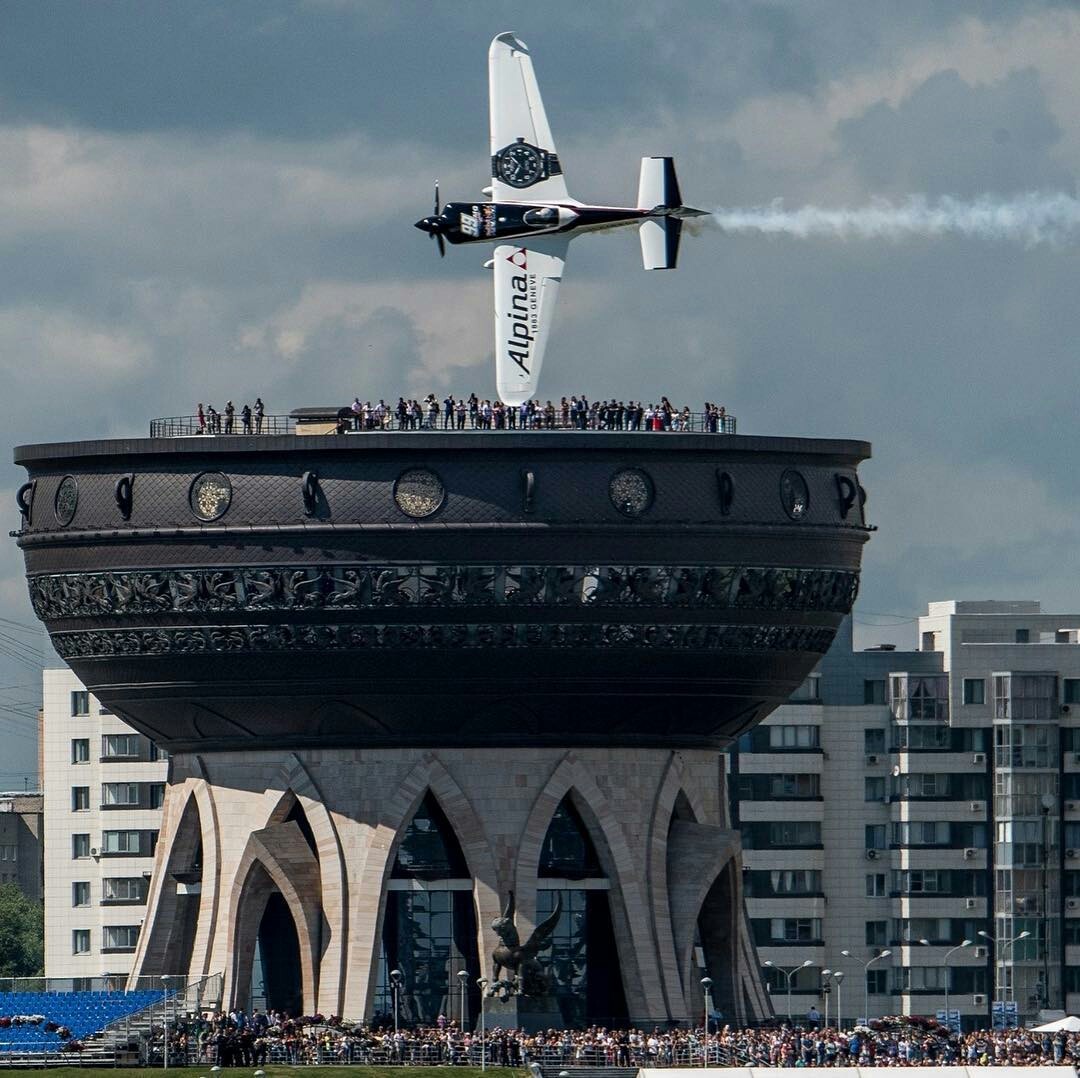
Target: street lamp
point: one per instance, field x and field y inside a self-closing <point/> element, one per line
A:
<point x="945" y="963"/>
<point x="481" y="983"/>
<point x="706" y="984"/>
<point x="826" y="991"/>
<point x="463" y="979"/>
<point x="866" y="985"/>
<point x="165" y="1010"/>
<point x="838" y="976"/>
<point x="789" y="973"/>
<point x="1002" y="942"/>
<point x="395" y="986"/>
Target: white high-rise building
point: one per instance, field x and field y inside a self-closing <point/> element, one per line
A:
<point x="103" y="787"/>
<point x="907" y="802"/>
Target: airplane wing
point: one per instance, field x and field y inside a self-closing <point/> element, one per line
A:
<point x="526" y="284"/>
<point x="524" y="164"/>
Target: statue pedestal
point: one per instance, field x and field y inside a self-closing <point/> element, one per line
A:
<point x="530" y="1013"/>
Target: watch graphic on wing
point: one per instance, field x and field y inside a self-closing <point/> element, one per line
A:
<point x="521" y="164"/>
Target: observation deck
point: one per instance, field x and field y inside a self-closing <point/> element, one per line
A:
<point x="429" y="587"/>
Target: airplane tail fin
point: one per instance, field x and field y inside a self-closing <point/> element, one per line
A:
<point x="658" y="192"/>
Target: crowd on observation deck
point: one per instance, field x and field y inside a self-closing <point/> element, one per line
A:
<point x="238" y="1039"/>
<point x="211" y="421"/>
<point x="574" y="412"/>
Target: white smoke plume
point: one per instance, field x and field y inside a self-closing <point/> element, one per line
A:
<point x="1029" y="219"/>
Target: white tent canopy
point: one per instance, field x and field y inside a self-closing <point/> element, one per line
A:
<point x="1070" y="1024"/>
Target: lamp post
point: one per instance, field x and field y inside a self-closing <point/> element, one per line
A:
<point x="826" y="991"/>
<point x="789" y="973"/>
<point x="463" y="980"/>
<point x="866" y="985"/>
<point x="706" y="984"/>
<point x="165" y="1010"/>
<point x="395" y="985"/>
<point x="1002" y="942"/>
<point x="481" y="983"/>
<point x="838" y="976"/>
<point x="945" y="963"/>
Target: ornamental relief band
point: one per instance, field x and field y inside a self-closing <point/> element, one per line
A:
<point x="357" y="587"/>
<point x="106" y="643"/>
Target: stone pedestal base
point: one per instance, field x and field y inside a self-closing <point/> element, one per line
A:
<point x="533" y="1015"/>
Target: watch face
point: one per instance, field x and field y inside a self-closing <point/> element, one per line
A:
<point x="520" y="165"/>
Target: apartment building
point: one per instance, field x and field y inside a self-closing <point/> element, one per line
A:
<point x="906" y="802"/>
<point x="20" y="842"/>
<point x="103" y="790"/>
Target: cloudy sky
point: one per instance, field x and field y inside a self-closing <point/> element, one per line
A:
<point x="202" y="200"/>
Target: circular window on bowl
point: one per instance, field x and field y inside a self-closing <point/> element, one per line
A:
<point x="419" y="492"/>
<point x="66" y="500"/>
<point x="794" y="494"/>
<point x="631" y="491"/>
<point x="210" y="495"/>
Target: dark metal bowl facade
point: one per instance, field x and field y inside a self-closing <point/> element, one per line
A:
<point x="432" y="589"/>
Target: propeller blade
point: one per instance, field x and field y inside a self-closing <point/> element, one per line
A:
<point x="442" y="245"/>
<point x="436" y="198"/>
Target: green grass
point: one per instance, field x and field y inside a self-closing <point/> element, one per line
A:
<point x="274" y="1071"/>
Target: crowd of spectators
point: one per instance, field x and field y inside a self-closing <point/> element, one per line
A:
<point x="211" y="421"/>
<point x="574" y="412"/>
<point x="238" y="1039"/>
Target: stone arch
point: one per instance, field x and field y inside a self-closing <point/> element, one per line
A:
<point x="190" y="798"/>
<point x="429" y="773"/>
<point x="276" y="860"/>
<point x="293" y="785"/>
<point x="676" y="799"/>
<point x="629" y="908"/>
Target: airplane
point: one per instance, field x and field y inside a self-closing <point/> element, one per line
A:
<point x="531" y="218"/>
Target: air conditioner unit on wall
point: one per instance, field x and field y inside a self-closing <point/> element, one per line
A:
<point x="981" y="952"/>
<point x="969" y="853"/>
<point x="1072" y="806"/>
<point x="1072" y="903"/>
<point x="980" y="758"/>
<point x="871" y="855"/>
<point x="970" y="904"/>
<point x="977" y="806"/>
<point x="1070" y="853"/>
<point x="978" y="1000"/>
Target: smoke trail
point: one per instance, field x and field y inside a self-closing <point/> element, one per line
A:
<point x="1029" y="219"/>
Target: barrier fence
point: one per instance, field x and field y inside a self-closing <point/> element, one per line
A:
<point x="184" y="426"/>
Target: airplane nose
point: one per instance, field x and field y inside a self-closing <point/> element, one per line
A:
<point x="424" y="224"/>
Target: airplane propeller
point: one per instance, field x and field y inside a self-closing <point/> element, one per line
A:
<point x="433" y="225"/>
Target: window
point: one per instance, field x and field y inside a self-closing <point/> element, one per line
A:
<point x="80" y="798"/>
<point x="795" y="786"/>
<point x="80" y="845"/>
<point x="157" y="753"/>
<point x="795" y="929"/>
<point x="129" y="890"/>
<point x="801" y="881"/>
<point x="922" y="833"/>
<point x="1023" y="636"/>
<point x="874" y="693"/>
<point x="875" y="885"/>
<point x="80" y="703"/>
<point x="119" y="937"/>
<point x="80" y="893"/>
<point x="120" y="842"/>
<point x="157" y="794"/>
<point x="808" y="691"/>
<point x="922" y="738"/>
<point x="80" y="941"/>
<point x="794" y="737"/>
<point x="876" y="837"/>
<point x="114" y="745"/>
<point x="1072" y="931"/>
<point x="80" y="750"/>
<point x="919" y="978"/>
<point x="120" y="793"/>
<point x="874" y="788"/>
<point x="876" y="933"/>
<point x="1070" y="690"/>
<point x="877" y="981"/>
<point x="874" y="740"/>
<point x="795" y="833"/>
<point x="974" y="690"/>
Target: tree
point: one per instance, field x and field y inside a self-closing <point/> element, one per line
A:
<point x="22" y="934"/>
